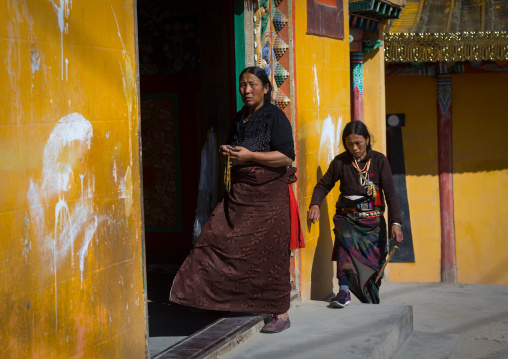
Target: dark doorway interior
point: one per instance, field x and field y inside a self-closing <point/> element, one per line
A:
<point x="187" y="81"/>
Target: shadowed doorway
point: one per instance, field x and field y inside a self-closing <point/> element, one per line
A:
<point x="187" y="85"/>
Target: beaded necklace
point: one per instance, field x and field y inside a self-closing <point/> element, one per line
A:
<point x="227" y="175"/>
<point x="364" y="178"/>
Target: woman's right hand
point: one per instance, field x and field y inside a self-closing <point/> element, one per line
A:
<point x="313" y="213"/>
<point x="224" y="150"/>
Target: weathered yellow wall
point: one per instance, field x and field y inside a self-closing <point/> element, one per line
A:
<point x="416" y="97"/>
<point x="71" y="253"/>
<point x="323" y="109"/>
<point x="374" y="93"/>
<point x="480" y="175"/>
<point x="480" y="180"/>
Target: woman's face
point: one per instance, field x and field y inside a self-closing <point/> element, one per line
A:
<point x="252" y="91"/>
<point x="357" y="145"/>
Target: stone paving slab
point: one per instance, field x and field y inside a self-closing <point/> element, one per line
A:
<point x="478" y="313"/>
<point x="422" y="345"/>
<point x="319" y="331"/>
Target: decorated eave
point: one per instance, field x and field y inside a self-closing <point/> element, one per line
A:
<point x="465" y="46"/>
<point x="366" y="14"/>
<point x="448" y="31"/>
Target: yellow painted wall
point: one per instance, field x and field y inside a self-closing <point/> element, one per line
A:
<point x="416" y="97"/>
<point x="374" y="92"/>
<point x="480" y="175"/>
<point x="71" y="253"/>
<point x="323" y="109"/>
<point x="480" y="180"/>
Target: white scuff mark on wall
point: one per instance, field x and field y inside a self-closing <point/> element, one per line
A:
<point x="107" y="134"/>
<point x="327" y="142"/>
<point x="63" y="222"/>
<point x="26" y="242"/>
<point x="114" y="172"/>
<point x="67" y="72"/>
<point x="330" y="139"/>
<point x="128" y="83"/>
<point x="63" y="156"/>
<point x="63" y="218"/>
<point x="81" y="177"/>
<point x="62" y="12"/>
<point x="126" y="191"/>
<point x="36" y="60"/>
<point x="316" y="87"/>
<point x="35" y="64"/>
<point x="27" y="246"/>
<point x="58" y="174"/>
<point x="83" y="252"/>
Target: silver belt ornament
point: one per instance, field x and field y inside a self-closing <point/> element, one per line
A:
<point x="363" y="214"/>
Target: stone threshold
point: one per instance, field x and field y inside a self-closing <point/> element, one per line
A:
<point x="218" y="338"/>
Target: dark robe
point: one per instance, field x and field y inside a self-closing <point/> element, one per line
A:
<point x="241" y="260"/>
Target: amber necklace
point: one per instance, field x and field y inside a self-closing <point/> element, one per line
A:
<point x="227" y="175"/>
<point x="364" y="178"/>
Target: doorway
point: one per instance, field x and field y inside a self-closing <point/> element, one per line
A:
<point x="187" y="86"/>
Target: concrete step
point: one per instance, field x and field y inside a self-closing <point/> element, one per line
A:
<point x="422" y="345"/>
<point x="318" y="331"/>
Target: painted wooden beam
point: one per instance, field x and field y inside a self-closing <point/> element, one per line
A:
<point x="445" y="166"/>
<point x="357" y="86"/>
<point x="356" y="58"/>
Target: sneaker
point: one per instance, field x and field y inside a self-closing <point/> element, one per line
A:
<point x="276" y="325"/>
<point x="342" y="299"/>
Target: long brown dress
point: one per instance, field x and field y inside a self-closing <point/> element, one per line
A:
<point x="241" y="260"/>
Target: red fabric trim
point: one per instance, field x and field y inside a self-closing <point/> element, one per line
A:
<point x="377" y="200"/>
<point x="296" y="240"/>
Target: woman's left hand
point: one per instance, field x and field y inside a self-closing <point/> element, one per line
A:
<point x="397" y="233"/>
<point x="240" y="155"/>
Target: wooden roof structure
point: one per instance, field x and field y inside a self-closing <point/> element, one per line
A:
<point x="448" y="30"/>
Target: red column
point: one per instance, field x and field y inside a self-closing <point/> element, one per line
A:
<point x="357" y="86"/>
<point x="445" y="143"/>
<point x="356" y="58"/>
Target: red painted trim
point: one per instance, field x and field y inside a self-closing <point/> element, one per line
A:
<point x="295" y="102"/>
<point x="356" y="61"/>
<point x="445" y="166"/>
<point x="357" y="105"/>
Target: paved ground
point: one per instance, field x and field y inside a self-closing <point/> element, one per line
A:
<point x="360" y="332"/>
<point x="477" y="313"/>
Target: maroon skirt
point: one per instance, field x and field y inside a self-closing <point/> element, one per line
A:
<point x="241" y="260"/>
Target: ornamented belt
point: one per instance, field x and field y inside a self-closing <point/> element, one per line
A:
<point x="354" y="214"/>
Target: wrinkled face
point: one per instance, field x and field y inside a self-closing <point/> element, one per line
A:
<point x="357" y="145"/>
<point x="252" y="90"/>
